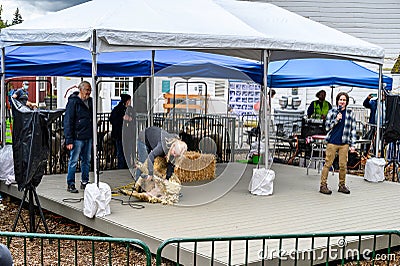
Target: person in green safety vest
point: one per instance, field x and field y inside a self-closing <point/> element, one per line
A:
<point x="8" y="131"/>
<point x="318" y="109"/>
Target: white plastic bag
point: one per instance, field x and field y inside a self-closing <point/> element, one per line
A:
<point x="90" y="195"/>
<point x="262" y="182"/>
<point x="103" y="200"/>
<point x="96" y="200"/>
<point x="7" y="165"/>
<point x="374" y="170"/>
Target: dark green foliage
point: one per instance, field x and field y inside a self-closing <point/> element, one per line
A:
<point x="17" y="18"/>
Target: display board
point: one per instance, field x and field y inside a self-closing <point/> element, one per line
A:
<point x="243" y="96"/>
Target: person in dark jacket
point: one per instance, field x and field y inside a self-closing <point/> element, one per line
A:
<point x="153" y="142"/>
<point x="372" y="104"/>
<point x="22" y="95"/>
<point x="116" y="120"/>
<point x="78" y="131"/>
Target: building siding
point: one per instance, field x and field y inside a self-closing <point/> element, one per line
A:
<point x="374" y="21"/>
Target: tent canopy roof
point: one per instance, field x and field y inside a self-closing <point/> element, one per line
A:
<point x="247" y="29"/>
<point x="61" y="60"/>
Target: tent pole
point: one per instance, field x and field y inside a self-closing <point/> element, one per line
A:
<point x="150" y="91"/>
<point x="267" y="109"/>
<point x="379" y="110"/>
<point x="2" y="97"/>
<point x="94" y="95"/>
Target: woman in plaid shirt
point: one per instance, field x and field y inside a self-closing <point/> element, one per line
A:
<point x="341" y="127"/>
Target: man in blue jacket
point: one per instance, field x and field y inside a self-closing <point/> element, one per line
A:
<point x="372" y="103"/>
<point x="78" y="131"/>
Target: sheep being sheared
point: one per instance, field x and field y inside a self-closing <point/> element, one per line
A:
<point x="156" y="189"/>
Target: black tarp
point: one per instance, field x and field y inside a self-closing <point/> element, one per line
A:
<point x="31" y="142"/>
<point x="392" y="117"/>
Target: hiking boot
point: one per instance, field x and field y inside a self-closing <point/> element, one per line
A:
<point x="325" y="190"/>
<point x="83" y="185"/>
<point x="343" y="189"/>
<point x="72" y="189"/>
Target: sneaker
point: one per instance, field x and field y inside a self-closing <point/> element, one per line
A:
<point x="343" y="189"/>
<point x="72" y="189"/>
<point x="325" y="190"/>
<point x="83" y="185"/>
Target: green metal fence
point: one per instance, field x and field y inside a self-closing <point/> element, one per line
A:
<point x="290" y="249"/>
<point x="374" y="247"/>
<point x="52" y="249"/>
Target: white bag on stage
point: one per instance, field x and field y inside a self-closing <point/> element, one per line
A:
<point x="90" y="195"/>
<point x="103" y="200"/>
<point x="374" y="170"/>
<point x="7" y="165"/>
<point x="262" y="182"/>
<point x="96" y="200"/>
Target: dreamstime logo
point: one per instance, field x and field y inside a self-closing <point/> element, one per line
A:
<point x="333" y="253"/>
<point x="211" y="135"/>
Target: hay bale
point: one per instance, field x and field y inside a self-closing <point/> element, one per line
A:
<point x="195" y="166"/>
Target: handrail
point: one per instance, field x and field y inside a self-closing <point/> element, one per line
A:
<point x="230" y="239"/>
<point x="126" y="241"/>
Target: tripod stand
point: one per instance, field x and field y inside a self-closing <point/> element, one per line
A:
<point x="394" y="160"/>
<point x="30" y="191"/>
<point x="30" y="153"/>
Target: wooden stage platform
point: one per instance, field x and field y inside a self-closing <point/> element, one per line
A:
<point x="295" y="207"/>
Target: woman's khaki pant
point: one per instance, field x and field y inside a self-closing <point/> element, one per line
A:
<point x="330" y="153"/>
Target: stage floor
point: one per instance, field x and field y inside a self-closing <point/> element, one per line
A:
<point x="295" y="207"/>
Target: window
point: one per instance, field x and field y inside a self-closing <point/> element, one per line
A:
<point x="54" y="81"/>
<point x="42" y="84"/>
<point x="121" y="86"/>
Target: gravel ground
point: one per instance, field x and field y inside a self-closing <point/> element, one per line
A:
<point x="61" y="225"/>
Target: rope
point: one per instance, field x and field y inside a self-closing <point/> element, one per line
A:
<point x="130" y="203"/>
<point x="72" y="200"/>
<point x="116" y="191"/>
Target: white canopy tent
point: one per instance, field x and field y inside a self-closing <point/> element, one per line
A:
<point x="237" y="28"/>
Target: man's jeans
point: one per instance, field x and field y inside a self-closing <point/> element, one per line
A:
<point x="329" y="157"/>
<point x="82" y="149"/>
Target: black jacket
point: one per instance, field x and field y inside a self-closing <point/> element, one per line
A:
<point x="116" y="120"/>
<point x="78" y="119"/>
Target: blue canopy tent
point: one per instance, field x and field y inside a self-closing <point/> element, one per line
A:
<point x="62" y="60"/>
<point x="70" y="61"/>
<point x="196" y="64"/>
<point x="322" y="72"/>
